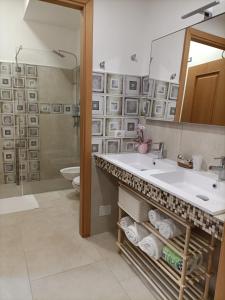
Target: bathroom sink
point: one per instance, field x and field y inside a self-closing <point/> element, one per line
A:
<point x="141" y="162"/>
<point x="204" y="191"/>
<point x="201" y="189"/>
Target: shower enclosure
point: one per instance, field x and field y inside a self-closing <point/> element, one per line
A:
<point x="39" y="122"/>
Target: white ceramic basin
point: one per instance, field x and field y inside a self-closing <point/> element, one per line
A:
<point x="198" y="188"/>
<point x="203" y="191"/>
<point x="141" y="162"/>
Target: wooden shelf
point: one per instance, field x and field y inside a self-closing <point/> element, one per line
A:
<point x="174" y="274"/>
<point x="166" y="287"/>
<point x="172" y="284"/>
<point x="197" y="245"/>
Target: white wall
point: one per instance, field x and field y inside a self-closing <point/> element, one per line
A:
<point x="119" y="32"/>
<point x="166" y="54"/>
<point x="15" y="31"/>
<point x="124" y="27"/>
<point x="201" y="54"/>
<point x="165" y="17"/>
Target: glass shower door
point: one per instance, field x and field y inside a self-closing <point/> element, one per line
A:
<point x="39" y="124"/>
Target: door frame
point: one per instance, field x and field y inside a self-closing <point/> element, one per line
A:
<point x="192" y="34"/>
<point x="86" y="8"/>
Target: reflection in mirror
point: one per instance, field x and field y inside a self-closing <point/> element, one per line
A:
<point x="187" y="75"/>
<point x="204" y="93"/>
<point x="166" y="56"/>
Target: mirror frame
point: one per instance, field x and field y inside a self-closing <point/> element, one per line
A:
<point x="195" y="35"/>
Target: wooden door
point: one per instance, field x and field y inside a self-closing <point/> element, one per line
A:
<point x="86" y="8"/>
<point x="204" y="100"/>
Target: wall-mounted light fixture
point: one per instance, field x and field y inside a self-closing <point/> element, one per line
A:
<point x="202" y="10"/>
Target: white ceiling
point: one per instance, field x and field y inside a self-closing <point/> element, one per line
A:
<point x="52" y="14"/>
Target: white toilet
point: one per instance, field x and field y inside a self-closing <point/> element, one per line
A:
<point x="72" y="174"/>
<point x="76" y="184"/>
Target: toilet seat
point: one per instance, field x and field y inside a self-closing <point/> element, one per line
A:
<point x="70" y="173"/>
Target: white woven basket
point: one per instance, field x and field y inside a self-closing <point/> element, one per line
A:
<point x="133" y="205"/>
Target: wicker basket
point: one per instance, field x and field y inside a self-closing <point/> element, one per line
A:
<point x="133" y="205"/>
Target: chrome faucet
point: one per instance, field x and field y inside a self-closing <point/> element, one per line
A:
<point x="221" y="168"/>
<point x="158" y="148"/>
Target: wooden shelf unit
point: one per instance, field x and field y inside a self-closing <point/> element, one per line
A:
<point x="170" y="283"/>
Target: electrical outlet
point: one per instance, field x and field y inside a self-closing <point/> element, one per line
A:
<point x="104" y="210"/>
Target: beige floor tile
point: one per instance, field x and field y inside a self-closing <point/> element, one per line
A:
<point x="11" y="219"/>
<point x="48" y="199"/>
<point x="58" y="255"/>
<point x="106" y="245"/>
<point x="59" y="198"/>
<point x="70" y="194"/>
<point x="46" y="225"/>
<point x="14" y="281"/>
<point x="136" y="289"/>
<point x="45" y="243"/>
<point x="92" y="282"/>
<point x="10" y="238"/>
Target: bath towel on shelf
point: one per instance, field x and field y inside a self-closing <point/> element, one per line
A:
<point x="135" y="233"/>
<point x="169" y="229"/>
<point x="126" y="221"/>
<point x="156" y="217"/>
<point x="152" y="246"/>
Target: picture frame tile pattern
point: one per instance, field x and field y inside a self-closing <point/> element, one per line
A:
<point x="163" y="96"/>
<point x="19" y="124"/>
<point x="132" y="85"/>
<point x="114" y="84"/>
<point x="114" y="105"/>
<point x="131" y="106"/>
<point x="116" y="99"/>
<point x="97" y="104"/>
<point x="98" y="80"/>
<point x="97" y="145"/>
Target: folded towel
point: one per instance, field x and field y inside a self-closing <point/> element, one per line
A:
<point x="152" y="246"/>
<point x="155" y="217"/>
<point x="126" y="221"/>
<point x="135" y="233"/>
<point x="169" y="229"/>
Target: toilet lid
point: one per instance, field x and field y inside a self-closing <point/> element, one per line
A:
<point x="76" y="180"/>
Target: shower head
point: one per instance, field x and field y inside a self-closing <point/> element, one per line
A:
<point x="58" y="52"/>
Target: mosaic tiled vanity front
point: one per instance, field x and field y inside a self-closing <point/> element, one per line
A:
<point x="188" y="212"/>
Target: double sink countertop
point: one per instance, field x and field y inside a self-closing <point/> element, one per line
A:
<point x="201" y="189"/>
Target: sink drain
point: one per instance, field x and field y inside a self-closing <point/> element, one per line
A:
<point x="202" y="197"/>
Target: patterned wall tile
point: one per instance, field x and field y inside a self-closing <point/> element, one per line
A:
<point x="115" y="110"/>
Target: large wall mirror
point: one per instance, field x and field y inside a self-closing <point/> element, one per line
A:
<point x="187" y="75"/>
